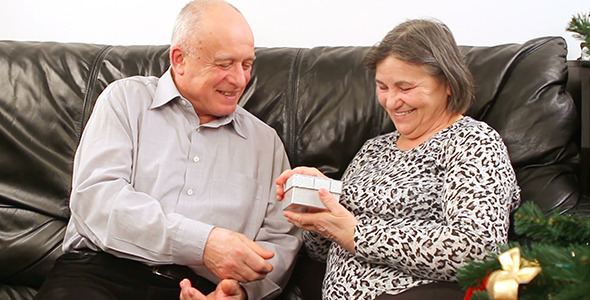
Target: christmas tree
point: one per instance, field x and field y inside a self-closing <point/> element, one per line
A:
<point x="554" y="262"/>
<point x="580" y="26"/>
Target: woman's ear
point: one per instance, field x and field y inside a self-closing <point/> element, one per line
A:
<point x="449" y="91"/>
<point x="177" y="55"/>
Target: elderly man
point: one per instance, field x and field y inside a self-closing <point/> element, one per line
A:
<point x="173" y="180"/>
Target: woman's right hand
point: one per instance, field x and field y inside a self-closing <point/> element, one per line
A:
<point x="282" y="179"/>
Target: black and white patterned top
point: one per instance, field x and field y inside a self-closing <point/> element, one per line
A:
<point x="422" y="212"/>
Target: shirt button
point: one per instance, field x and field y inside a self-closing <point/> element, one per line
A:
<point x="189" y="192"/>
<point x="196" y="159"/>
<point x="184" y="102"/>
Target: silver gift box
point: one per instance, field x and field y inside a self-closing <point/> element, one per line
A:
<point x="302" y="191"/>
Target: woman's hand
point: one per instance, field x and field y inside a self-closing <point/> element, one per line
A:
<point x="335" y="223"/>
<point x="282" y="179"/>
<point x="227" y="289"/>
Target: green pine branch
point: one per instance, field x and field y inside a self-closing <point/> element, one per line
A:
<point x="480" y="295"/>
<point x="556" y="229"/>
<point x="473" y="273"/>
<point x="560" y="245"/>
<point x="565" y="272"/>
<point x="562" y="267"/>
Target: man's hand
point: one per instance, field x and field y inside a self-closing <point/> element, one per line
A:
<point x="226" y="290"/>
<point x="232" y="255"/>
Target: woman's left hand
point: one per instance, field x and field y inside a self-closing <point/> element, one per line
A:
<point x="335" y="223"/>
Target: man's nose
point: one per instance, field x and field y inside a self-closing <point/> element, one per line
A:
<point x="238" y="76"/>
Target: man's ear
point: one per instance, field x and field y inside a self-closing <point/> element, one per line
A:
<point x="177" y="56"/>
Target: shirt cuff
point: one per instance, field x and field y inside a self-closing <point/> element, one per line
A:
<point x="189" y="242"/>
<point x="261" y="289"/>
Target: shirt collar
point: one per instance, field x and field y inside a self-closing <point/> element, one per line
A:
<point x="166" y="91"/>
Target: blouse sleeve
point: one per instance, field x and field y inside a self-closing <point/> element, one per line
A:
<point x="479" y="191"/>
<point x="316" y="245"/>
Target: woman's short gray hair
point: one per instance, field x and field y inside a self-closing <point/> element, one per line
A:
<point x="431" y="44"/>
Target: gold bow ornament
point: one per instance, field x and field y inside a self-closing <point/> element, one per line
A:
<point x="503" y="284"/>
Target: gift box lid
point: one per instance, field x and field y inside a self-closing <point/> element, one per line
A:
<point x="314" y="183"/>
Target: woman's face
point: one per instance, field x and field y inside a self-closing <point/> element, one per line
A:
<point x="415" y="100"/>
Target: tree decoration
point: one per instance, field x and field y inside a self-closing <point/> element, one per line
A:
<point x="554" y="263"/>
<point x="503" y="284"/>
<point x="580" y="25"/>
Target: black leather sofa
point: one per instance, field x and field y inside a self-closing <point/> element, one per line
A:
<point x="321" y="101"/>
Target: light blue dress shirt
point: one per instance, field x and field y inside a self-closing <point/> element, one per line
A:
<point x="150" y="182"/>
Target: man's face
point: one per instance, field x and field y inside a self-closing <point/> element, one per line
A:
<point x="218" y="66"/>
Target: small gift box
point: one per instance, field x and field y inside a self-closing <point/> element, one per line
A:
<point x="302" y="191"/>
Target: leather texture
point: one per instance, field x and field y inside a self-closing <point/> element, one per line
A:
<point x="320" y="100"/>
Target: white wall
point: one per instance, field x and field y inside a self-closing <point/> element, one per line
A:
<point x="298" y="23"/>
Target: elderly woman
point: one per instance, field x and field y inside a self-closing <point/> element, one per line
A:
<point x="420" y="201"/>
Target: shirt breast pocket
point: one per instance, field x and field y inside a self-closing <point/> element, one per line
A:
<point x="235" y="202"/>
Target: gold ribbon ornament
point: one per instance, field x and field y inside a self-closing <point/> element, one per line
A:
<point x="503" y="284"/>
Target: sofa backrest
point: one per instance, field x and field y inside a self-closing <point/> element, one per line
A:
<point x="321" y="101"/>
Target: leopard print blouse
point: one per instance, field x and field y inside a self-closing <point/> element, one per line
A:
<point x="422" y="212"/>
